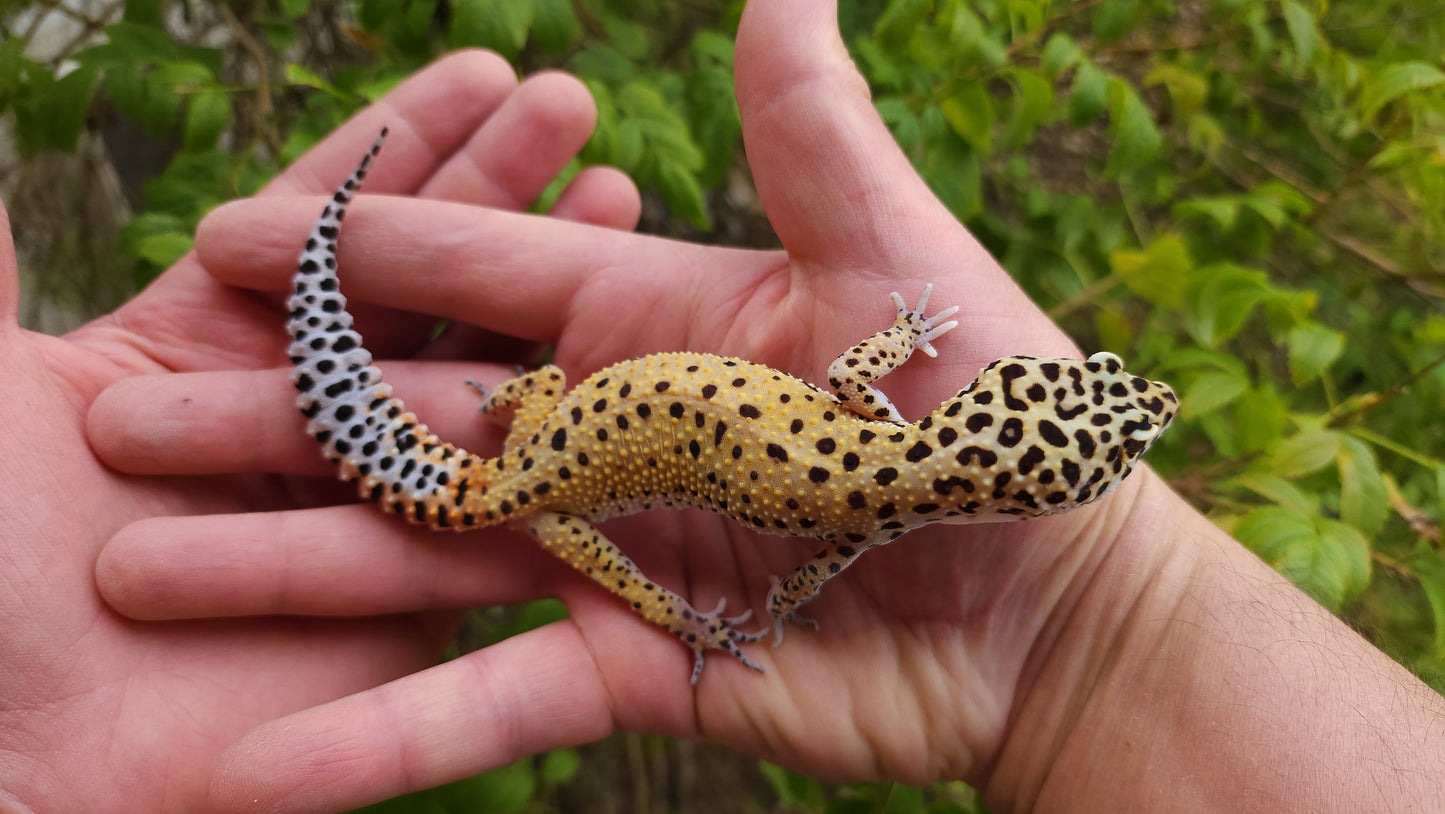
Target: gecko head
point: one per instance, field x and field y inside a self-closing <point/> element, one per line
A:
<point x="1142" y="409"/>
<point x="1051" y="434"/>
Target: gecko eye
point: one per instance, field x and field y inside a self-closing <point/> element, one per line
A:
<point x="1110" y="361"/>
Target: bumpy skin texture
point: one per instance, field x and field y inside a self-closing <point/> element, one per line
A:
<point x="1030" y="437"/>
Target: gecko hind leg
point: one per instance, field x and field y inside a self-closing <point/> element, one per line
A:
<point x="578" y="543"/>
<point x="528" y="397"/>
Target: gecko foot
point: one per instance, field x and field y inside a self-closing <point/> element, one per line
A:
<point x="713" y="631"/>
<point x="928" y="328"/>
<point x="782" y="618"/>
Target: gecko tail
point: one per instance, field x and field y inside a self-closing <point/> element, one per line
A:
<point x="362" y="428"/>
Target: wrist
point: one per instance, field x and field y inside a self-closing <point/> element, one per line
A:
<point x="1188" y="675"/>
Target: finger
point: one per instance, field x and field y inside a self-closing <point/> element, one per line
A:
<point x="9" y="274"/>
<point x="337" y="561"/>
<point x="522" y="275"/>
<point x="521" y="147"/>
<point x="809" y="125"/>
<point x="247" y="421"/>
<point x="602" y="196"/>
<point x="432" y="115"/>
<point x="526" y="695"/>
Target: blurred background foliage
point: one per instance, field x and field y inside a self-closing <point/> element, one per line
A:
<point x="1243" y="197"/>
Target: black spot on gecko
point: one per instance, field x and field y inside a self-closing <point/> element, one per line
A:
<point x="750" y="411"/>
<point x="885" y="476"/>
<point x="775" y="451"/>
<point x="1011" y="433"/>
<point x="985" y="457"/>
<point x="1031" y="458"/>
<point x="1051" y="433"/>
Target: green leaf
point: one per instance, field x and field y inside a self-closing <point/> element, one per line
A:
<point x="1089" y="94"/>
<point x="501" y="25"/>
<point x="1136" y="139"/>
<point x="1159" y="274"/>
<point x="1280" y="491"/>
<point x="1312" y="349"/>
<point x="53" y="116"/>
<point x="1113" y="19"/>
<point x="1396" y="80"/>
<point x="302" y="76"/>
<point x="1060" y="54"/>
<point x="1187" y="90"/>
<point x="555" y="26"/>
<point x="1260" y="419"/>
<point x="207" y="117"/>
<point x="1032" y="102"/>
<point x="955" y="175"/>
<point x="1113" y="329"/>
<point x="1223" y="211"/>
<point x="1213" y="390"/>
<point x="1220" y="300"/>
<point x="971" y="42"/>
<point x="165" y="249"/>
<point x="682" y="193"/>
<point x="559" y="766"/>
<point x="898" y="22"/>
<point x="1301" y="25"/>
<point x="1326" y="558"/>
<point x="151" y="102"/>
<point x="1364" y="499"/>
<point x="1429" y="568"/>
<point x="1305" y="452"/>
<point x="142" y="44"/>
<point x="294" y="9"/>
<point x="969" y="112"/>
<point x="794" y="790"/>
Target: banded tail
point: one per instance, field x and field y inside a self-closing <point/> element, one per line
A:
<point x="362" y="428"/>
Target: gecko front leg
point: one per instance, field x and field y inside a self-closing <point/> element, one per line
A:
<point x="851" y="375"/>
<point x="798" y="588"/>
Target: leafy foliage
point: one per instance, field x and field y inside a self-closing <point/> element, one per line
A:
<point x="1243" y="197"/>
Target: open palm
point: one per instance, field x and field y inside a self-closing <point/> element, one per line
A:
<point x="914" y="670"/>
<point x="120" y="715"/>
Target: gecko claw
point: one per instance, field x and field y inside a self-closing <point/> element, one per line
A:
<point x="718" y="632"/>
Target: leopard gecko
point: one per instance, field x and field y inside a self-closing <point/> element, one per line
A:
<point x="1029" y="437"/>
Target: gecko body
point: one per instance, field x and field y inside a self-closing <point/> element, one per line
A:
<point x="1029" y="437"/>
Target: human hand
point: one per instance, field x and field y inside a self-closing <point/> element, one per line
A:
<point x="929" y="622"/>
<point x="102" y="713"/>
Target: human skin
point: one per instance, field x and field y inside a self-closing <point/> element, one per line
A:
<point x="99" y="712"/>
<point x="1127" y="655"/>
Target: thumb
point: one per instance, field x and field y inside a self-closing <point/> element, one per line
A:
<point x="831" y="177"/>
<point x="842" y="196"/>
